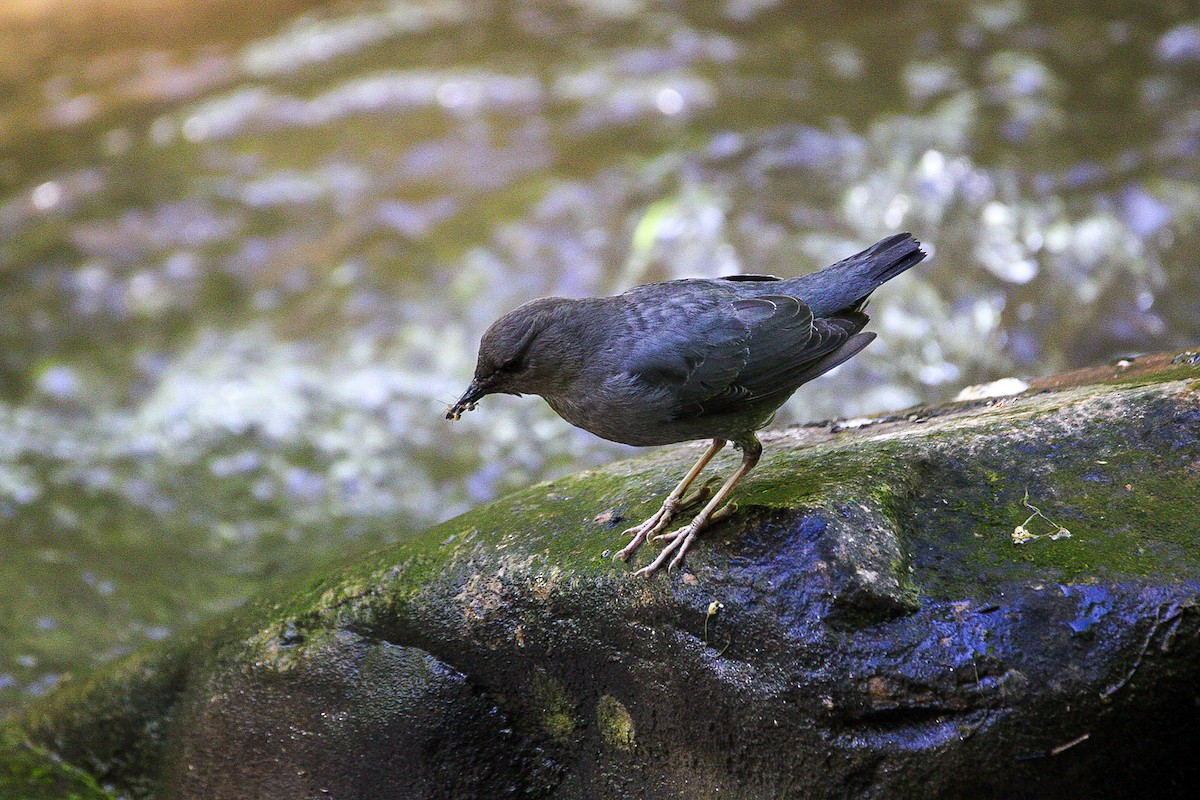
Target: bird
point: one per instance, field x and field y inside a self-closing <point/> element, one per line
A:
<point x="683" y="360"/>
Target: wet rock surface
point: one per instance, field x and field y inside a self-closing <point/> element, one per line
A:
<point x="248" y="247"/>
<point x="869" y="623"/>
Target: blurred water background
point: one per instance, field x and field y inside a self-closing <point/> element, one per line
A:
<point x="247" y="248"/>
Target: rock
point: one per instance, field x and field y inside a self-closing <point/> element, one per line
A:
<point x="995" y="598"/>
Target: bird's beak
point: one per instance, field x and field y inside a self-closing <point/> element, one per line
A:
<point x="467" y="401"/>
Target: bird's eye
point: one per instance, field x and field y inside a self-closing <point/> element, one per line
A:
<point x="517" y="361"/>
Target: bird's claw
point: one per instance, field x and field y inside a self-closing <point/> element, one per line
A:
<point x="700" y="496"/>
<point x="678" y="543"/>
<point x="722" y="512"/>
<point x="640" y="533"/>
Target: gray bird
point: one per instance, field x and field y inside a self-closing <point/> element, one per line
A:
<point x="697" y="358"/>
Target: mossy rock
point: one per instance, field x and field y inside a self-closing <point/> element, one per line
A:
<point x="870" y="622"/>
<point x="30" y="772"/>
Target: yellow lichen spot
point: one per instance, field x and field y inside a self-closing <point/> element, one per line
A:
<point x="543" y="586"/>
<point x="615" y="723"/>
<point x="481" y="596"/>
<point x="555" y="710"/>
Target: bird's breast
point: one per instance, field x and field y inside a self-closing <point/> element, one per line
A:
<point x="615" y="408"/>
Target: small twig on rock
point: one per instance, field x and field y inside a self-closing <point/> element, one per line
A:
<point x="713" y="608"/>
<point x="1173" y="612"/>
<point x="1022" y="535"/>
<point x="1062" y="748"/>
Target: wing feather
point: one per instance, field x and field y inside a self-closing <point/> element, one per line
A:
<point x="730" y="353"/>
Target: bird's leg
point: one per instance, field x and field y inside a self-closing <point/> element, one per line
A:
<point x="700" y="496"/>
<point x="661" y="518"/>
<point x="681" y="539"/>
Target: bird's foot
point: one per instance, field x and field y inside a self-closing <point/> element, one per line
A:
<point x="640" y="533"/>
<point x="700" y="496"/>
<point x="717" y="516"/>
<point x="678" y="543"/>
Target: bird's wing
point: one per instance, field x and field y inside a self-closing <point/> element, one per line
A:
<point x="740" y="351"/>
<point x="696" y="351"/>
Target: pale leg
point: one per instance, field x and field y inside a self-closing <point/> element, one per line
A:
<point x="681" y="539"/>
<point x="661" y="518"/>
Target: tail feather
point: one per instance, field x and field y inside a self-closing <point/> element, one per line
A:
<point x="847" y="284"/>
<point x="893" y="256"/>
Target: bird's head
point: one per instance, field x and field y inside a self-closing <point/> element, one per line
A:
<point x="517" y="354"/>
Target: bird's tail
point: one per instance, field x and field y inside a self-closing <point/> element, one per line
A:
<point x="888" y="258"/>
<point x="847" y="284"/>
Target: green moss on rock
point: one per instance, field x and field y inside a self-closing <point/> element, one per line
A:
<point x="30" y="772"/>
<point x="553" y="706"/>
<point x="615" y="723"/>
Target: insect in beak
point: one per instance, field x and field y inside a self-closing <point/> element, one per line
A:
<point x="466" y="402"/>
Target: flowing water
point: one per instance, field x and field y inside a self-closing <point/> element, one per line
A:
<point x="247" y="248"/>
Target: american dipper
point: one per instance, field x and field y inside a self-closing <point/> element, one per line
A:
<point x="697" y="358"/>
